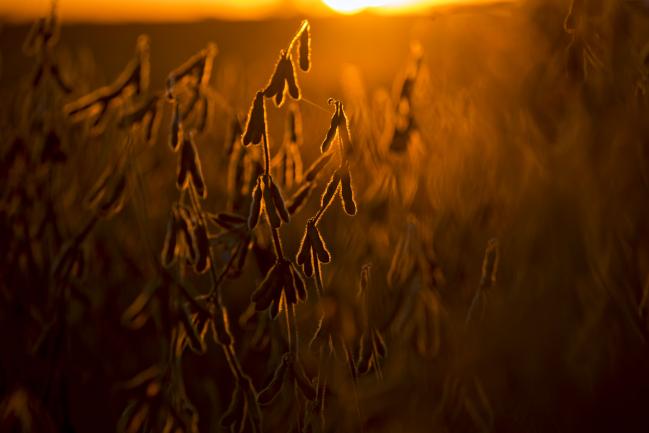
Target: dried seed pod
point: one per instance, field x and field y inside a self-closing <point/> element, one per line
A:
<point x="189" y="167"/>
<point x="347" y="193"/>
<point x="294" y="165"/>
<point x="114" y="201"/>
<point x="52" y="149"/>
<point x="242" y="255"/>
<point x="196" y="343"/>
<point x="269" y="289"/>
<point x="274" y="387"/>
<point x="331" y="132"/>
<point x="364" y="361"/>
<point x="202" y="246"/>
<point x="168" y="254"/>
<point x="256" y="122"/>
<point x="204" y="113"/>
<point x="316" y="167"/>
<point x="304" y="383"/>
<point x="240" y="425"/>
<point x="307" y="267"/>
<point x="490" y="264"/>
<point x="378" y="342"/>
<point x="275" y="307"/>
<point x="364" y="280"/>
<point x="134" y="417"/>
<point x="186" y="228"/>
<point x="176" y="133"/>
<point x="228" y="220"/>
<point x="55" y="71"/>
<point x="279" y="99"/>
<point x="570" y="22"/>
<point x="269" y="203"/>
<point x="202" y="323"/>
<point x="196" y="171"/>
<point x="191" y="104"/>
<point x="135" y="316"/>
<point x="221" y="327"/>
<point x="291" y="79"/>
<point x="277" y="83"/>
<point x="148" y="116"/>
<point x="235" y="410"/>
<point x="299" y="284"/>
<point x="331" y="189"/>
<point x="153" y="125"/>
<point x="305" y="247"/>
<point x="318" y="244"/>
<point x="234" y="134"/>
<point x="198" y="67"/>
<point x="290" y="292"/>
<point x="299" y="198"/>
<point x="97" y="191"/>
<point x="255" y="205"/>
<point x="343" y="131"/>
<point x="304" y="51"/>
<point x="278" y="200"/>
<point x="293" y="130"/>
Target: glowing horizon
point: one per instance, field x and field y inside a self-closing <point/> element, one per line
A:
<point x="186" y="10"/>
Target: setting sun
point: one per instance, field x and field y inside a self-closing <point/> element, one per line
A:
<point x="353" y="6"/>
<point x="388" y="7"/>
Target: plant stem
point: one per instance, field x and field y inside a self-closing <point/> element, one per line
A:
<point x="266" y="152"/>
<point x="290" y="312"/>
<point x="277" y="243"/>
<point x="274" y="232"/>
<point x="216" y="280"/>
<point x="302" y="28"/>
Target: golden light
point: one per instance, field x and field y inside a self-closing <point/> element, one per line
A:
<point x="354" y="6"/>
<point x="349" y="7"/>
<point x="186" y="10"/>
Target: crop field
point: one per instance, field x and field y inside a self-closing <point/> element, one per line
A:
<point x="431" y="222"/>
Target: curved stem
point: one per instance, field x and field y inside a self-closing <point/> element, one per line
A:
<point x="302" y="28"/>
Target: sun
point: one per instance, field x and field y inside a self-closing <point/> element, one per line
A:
<point x="349" y="7"/>
<point x="354" y="6"/>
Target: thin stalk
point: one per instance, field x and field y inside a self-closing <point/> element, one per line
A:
<point x="291" y="328"/>
<point x="266" y="152"/>
<point x="302" y="28"/>
<point x="216" y="281"/>
<point x="277" y="243"/>
<point x="319" y="214"/>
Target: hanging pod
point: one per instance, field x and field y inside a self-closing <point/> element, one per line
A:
<point x="256" y="122"/>
<point x="255" y="205"/>
<point x="304" y="51"/>
<point x="347" y="192"/>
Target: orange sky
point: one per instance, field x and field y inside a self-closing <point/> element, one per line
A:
<point x="160" y="10"/>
